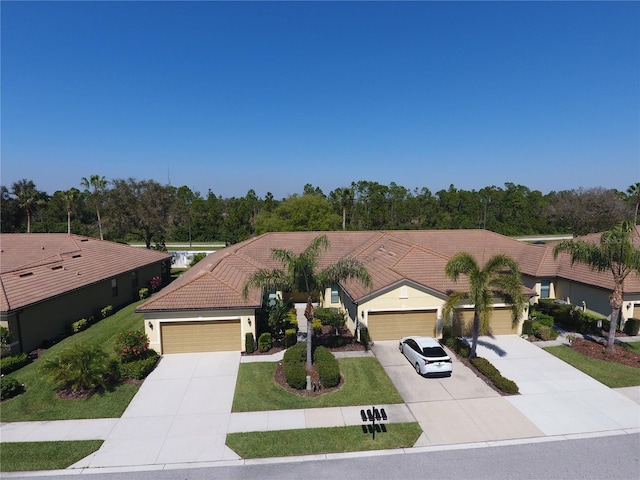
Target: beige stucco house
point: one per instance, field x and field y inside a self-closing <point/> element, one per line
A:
<point x="204" y="310"/>
<point x="50" y="280"/>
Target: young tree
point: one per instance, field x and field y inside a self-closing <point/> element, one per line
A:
<point x="634" y="192"/>
<point x="616" y="253"/>
<point x="500" y="277"/>
<point x="300" y="273"/>
<point x="95" y="186"/>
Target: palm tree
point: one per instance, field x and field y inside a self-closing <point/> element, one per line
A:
<point x="98" y="184"/>
<point x="615" y="252"/>
<point x="634" y="191"/>
<point x="69" y="197"/>
<point x="500" y="278"/>
<point x="300" y="274"/>
<point x="346" y="200"/>
<point x="27" y="197"/>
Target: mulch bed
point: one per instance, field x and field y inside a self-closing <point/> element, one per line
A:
<point x="596" y="349"/>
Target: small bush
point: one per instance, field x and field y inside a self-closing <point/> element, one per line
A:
<point x="488" y="370"/>
<point x="249" y="343"/>
<point x="544" y="332"/>
<point x="13" y="362"/>
<point x="297" y="353"/>
<point x="264" y="342"/>
<point x="331" y="316"/>
<point x="446" y="332"/>
<point x="328" y="367"/>
<point x="106" y="311"/>
<point x="364" y="337"/>
<point x="132" y="345"/>
<point x="543" y="319"/>
<point x="80" y="368"/>
<point x="527" y="328"/>
<point x="155" y="283"/>
<point x="316" y="325"/>
<point x="292" y="319"/>
<point x="9" y="387"/>
<point x="290" y="337"/>
<point x="293" y="366"/>
<point x="139" y="369"/>
<point x="79" y="325"/>
<point x="5" y="336"/>
<point x="632" y="326"/>
<point x="143" y="293"/>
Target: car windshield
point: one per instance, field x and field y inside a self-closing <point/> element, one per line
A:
<point x="433" y="352"/>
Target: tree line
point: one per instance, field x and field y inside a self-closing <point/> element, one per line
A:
<point x="131" y="210"/>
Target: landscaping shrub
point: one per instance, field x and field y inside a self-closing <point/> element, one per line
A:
<point x="328" y="367"/>
<point x="292" y="319"/>
<point x="132" y="345"/>
<point x="293" y="366"/>
<point x="527" y="328"/>
<point x="331" y="316"/>
<point x="79" y="325"/>
<point x="249" y="343"/>
<point x="106" y="311"/>
<point x="364" y="337"/>
<point x="13" y="362"/>
<point x="543" y="319"/>
<point x="316" y="325"/>
<point x="632" y="326"/>
<point x="264" y="342"/>
<point x="5" y="336"/>
<point x="290" y="337"/>
<point x="155" y="283"/>
<point x="143" y="293"/>
<point x="139" y="369"/>
<point x="543" y="332"/>
<point x="446" y="332"/>
<point x="9" y="387"/>
<point x="488" y="370"/>
<point x="80" y="368"/>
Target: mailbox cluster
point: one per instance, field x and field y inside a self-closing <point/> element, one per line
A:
<point x="373" y="415"/>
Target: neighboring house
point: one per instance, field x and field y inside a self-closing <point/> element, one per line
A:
<point x="204" y="309"/>
<point x="50" y="280"/>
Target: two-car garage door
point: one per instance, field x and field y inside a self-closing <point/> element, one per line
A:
<point x="395" y="325"/>
<point x="501" y="322"/>
<point x="186" y="337"/>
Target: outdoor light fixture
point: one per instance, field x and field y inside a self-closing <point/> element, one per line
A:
<point x="249" y="322"/>
<point x="150" y="325"/>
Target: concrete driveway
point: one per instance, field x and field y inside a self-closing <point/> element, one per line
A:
<point x="457" y="409"/>
<point x="180" y="414"/>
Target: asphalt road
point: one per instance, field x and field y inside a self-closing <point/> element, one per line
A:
<point x="613" y="457"/>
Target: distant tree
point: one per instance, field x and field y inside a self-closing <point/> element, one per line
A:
<point x="615" y="253"/>
<point x="9" y="211"/>
<point x="70" y="197"/>
<point x="95" y="185"/>
<point x="585" y="211"/>
<point x="28" y="198"/>
<point x="343" y="197"/>
<point x="301" y="273"/>
<point x="500" y="277"/>
<point x="299" y="213"/>
<point x="634" y="193"/>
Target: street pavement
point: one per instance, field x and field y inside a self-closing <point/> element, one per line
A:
<point x="182" y="412"/>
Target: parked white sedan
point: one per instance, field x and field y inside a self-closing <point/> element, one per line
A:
<point x="426" y="355"/>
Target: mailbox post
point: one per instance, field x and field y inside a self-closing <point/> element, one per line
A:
<point x="372" y="415"/>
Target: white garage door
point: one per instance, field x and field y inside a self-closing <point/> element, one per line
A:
<point x="187" y="337"/>
<point x="395" y="325"/>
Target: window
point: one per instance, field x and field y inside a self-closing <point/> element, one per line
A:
<point x="114" y="287"/>
<point x="335" y="295"/>
<point x="545" y="288"/>
<point x="403" y="292"/>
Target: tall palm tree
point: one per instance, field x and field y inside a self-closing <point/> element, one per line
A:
<point x="98" y="184"/>
<point x="27" y="197"/>
<point x="634" y="191"/>
<point x="616" y="253"/>
<point x="69" y="197"/>
<point x="300" y="274"/>
<point x="500" y="277"/>
<point x="346" y="200"/>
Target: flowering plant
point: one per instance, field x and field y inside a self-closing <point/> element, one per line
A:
<point x="132" y="345"/>
<point x="155" y="283"/>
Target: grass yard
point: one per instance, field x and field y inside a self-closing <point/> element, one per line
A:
<point x="365" y="382"/>
<point x="613" y="375"/>
<point x="285" y="443"/>
<point x="23" y="456"/>
<point x="40" y="402"/>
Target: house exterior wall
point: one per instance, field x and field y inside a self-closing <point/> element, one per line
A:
<point x="596" y="299"/>
<point x="153" y="321"/>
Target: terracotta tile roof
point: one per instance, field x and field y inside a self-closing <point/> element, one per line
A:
<point x="38" y="266"/>
<point x="389" y="256"/>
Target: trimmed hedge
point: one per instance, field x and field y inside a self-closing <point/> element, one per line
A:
<point x="139" y="369"/>
<point x="328" y="367"/>
<point x="364" y="337"/>
<point x="293" y="366"/>
<point x="9" y="387"/>
<point x="13" y="362"/>
<point x="543" y="332"/>
<point x="493" y="374"/>
<point x="316" y="325"/>
<point x="543" y="319"/>
<point x="264" y="342"/>
<point x="290" y="337"/>
<point x="249" y="343"/>
<point x="632" y="326"/>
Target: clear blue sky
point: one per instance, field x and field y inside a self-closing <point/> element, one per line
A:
<point x="271" y="96"/>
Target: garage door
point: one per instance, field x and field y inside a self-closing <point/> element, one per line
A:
<point x="185" y="337"/>
<point x="395" y="325"/>
<point x="500" y="322"/>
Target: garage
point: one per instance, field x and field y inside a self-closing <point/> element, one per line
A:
<point x="395" y="325"/>
<point x="188" y="337"/>
<point x="500" y="322"/>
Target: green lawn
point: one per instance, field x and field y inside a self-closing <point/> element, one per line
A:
<point x="40" y="402"/>
<point x="321" y="440"/>
<point x="365" y="382"/>
<point x="633" y="346"/>
<point x="613" y="375"/>
<point x="23" y="456"/>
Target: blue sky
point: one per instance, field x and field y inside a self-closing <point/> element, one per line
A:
<point x="230" y="96"/>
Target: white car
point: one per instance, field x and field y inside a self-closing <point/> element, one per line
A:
<point x="426" y="355"/>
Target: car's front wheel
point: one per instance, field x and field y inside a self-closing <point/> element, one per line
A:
<point x="418" y="368"/>
<point x="400" y="347"/>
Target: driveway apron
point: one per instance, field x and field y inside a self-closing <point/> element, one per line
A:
<point x="180" y="414"/>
